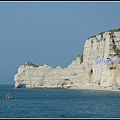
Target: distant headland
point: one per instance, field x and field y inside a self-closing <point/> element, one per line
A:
<point x="83" y="72"/>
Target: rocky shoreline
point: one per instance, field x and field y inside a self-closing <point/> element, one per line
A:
<point x="98" y="89"/>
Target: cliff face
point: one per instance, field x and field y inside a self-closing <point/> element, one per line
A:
<point x="97" y="67"/>
<point x="46" y="77"/>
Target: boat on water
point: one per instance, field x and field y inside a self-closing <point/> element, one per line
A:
<point x="8" y="96"/>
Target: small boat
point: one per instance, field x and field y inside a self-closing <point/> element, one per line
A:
<point x="8" y="96"/>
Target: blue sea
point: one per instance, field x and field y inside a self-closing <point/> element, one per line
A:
<point x="58" y="103"/>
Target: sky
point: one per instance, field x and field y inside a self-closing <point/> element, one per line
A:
<point x="52" y="33"/>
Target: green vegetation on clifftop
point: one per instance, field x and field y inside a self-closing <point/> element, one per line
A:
<point x="112" y="31"/>
<point x="30" y="64"/>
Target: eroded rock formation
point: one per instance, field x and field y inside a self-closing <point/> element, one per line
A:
<point x="97" y="67"/>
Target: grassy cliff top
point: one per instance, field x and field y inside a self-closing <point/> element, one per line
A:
<point x="30" y="64"/>
<point x="112" y="31"/>
<point x="115" y="30"/>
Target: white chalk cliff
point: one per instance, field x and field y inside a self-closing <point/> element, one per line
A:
<point x="82" y="72"/>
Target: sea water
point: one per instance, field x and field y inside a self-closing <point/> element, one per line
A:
<point x="58" y="103"/>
